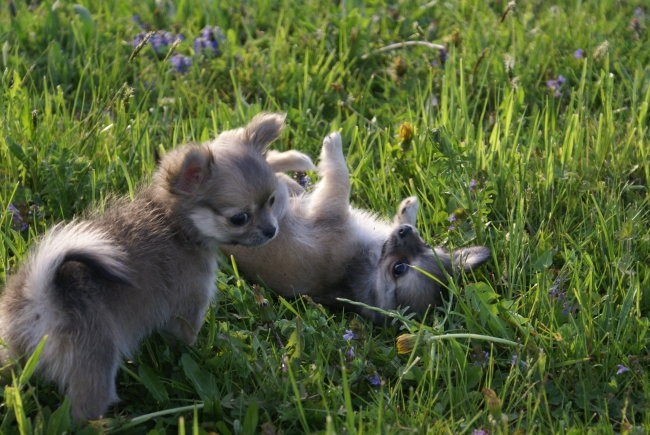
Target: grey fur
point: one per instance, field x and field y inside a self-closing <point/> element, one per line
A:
<point x="97" y="287"/>
<point x="327" y="249"/>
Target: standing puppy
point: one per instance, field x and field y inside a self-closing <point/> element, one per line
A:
<point x="96" y="287"/>
<point x="328" y="250"/>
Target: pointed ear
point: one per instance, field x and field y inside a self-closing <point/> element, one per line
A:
<point x="191" y="172"/>
<point x="470" y="258"/>
<point x="264" y="129"/>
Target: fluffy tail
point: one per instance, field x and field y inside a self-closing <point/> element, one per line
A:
<point x="80" y="242"/>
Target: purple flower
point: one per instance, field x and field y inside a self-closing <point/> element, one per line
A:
<point x="443" y="55"/>
<point x="180" y="63"/>
<point x="210" y="41"/>
<point x="350" y="353"/>
<point x="472" y="184"/>
<point x="621" y="369"/>
<point x="303" y="179"/>
<point x="555" y="85"/>
<point x="349" y="335"/>
<point x="579" y="54"/>
<point x="160" y="41"/>
<point x="374" y="380"/>
<point x="17" y="221"/>
<point x="558" y="293"/>
<point x="480" y="431"/>
<point x="138" y="39"/>
<point x="513" y="361"/>
<point x="452" y="218"/>
<point x="481" y="358"/>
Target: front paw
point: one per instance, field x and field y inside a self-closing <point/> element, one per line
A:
<point x="333" y="143"/>
<point x="332" y="149"/>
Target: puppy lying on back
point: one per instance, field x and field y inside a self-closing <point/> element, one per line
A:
<point x="327" y="249"/>
<point x="96" y="287"/>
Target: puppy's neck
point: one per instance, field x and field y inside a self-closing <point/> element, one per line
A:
<point x="169" y="211"/>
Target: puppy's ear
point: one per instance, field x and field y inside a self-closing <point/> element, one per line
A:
<point x="191" y="171"/>
<point x="264" y="129"/>
<point x="470" y="258"/>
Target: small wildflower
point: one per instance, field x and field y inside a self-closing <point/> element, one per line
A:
<point x="374" y="380"/>
<point x="480" y="431"/>
<point x="17" y="221"/>
<point x="303" y="179"/>
<point x="558" y="293"/>
<point x="556" y="288"/>
<point x="349" y="335"/>
<point x="579" y="54"/>
<point x="160" y="40"/>
<point x="555" y="85"/>
<point x="350" y="353"/>
<point x="481" y="358"/>
<point x="451" y="228"/>
<point x="472" y="184"/>
<point x="452" y="218"/>
<point x="180" y="63"/>
<point x="210" y="42"/>
<point x="513" y="361"/>
<point x="405" y="343"/>
<point x="442" y="56"/>
<point x="621" y="369"/>
<point x="406" y="132"/>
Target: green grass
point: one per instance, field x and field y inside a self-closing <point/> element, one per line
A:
<point x="561" y="199"/>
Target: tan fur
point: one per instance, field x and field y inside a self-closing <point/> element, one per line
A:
<point x="97" y="287"/>
<point x="326" y="249"/>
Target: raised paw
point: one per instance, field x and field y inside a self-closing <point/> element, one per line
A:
<point x="407" y="211"/>
<point x="289" y="161"/>
<point x="333" y="143"/>
<point x="332" y="149"/>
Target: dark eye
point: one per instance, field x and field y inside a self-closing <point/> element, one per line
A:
<point x="400" y="268"/>
<point x="271" y="201"/>
<point x="240" y="219"/>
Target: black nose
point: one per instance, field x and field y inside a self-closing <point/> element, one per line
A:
<point x="404" y="231"/>
<point x="269" y="232"/>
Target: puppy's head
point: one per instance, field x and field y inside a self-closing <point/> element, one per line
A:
<point x="224" y="188"/>
<point x="404" y="258"/>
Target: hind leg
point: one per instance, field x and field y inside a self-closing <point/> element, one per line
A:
<point x="331" y="196"/>
<point x="407" y="211"/>
<point x="84" y="365"/>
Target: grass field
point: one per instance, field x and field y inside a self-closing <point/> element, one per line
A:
<point x="528" y="132"/>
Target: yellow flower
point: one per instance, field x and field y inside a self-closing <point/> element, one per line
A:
<point x="406" y="132"/>
<point x="405" y="343"/>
